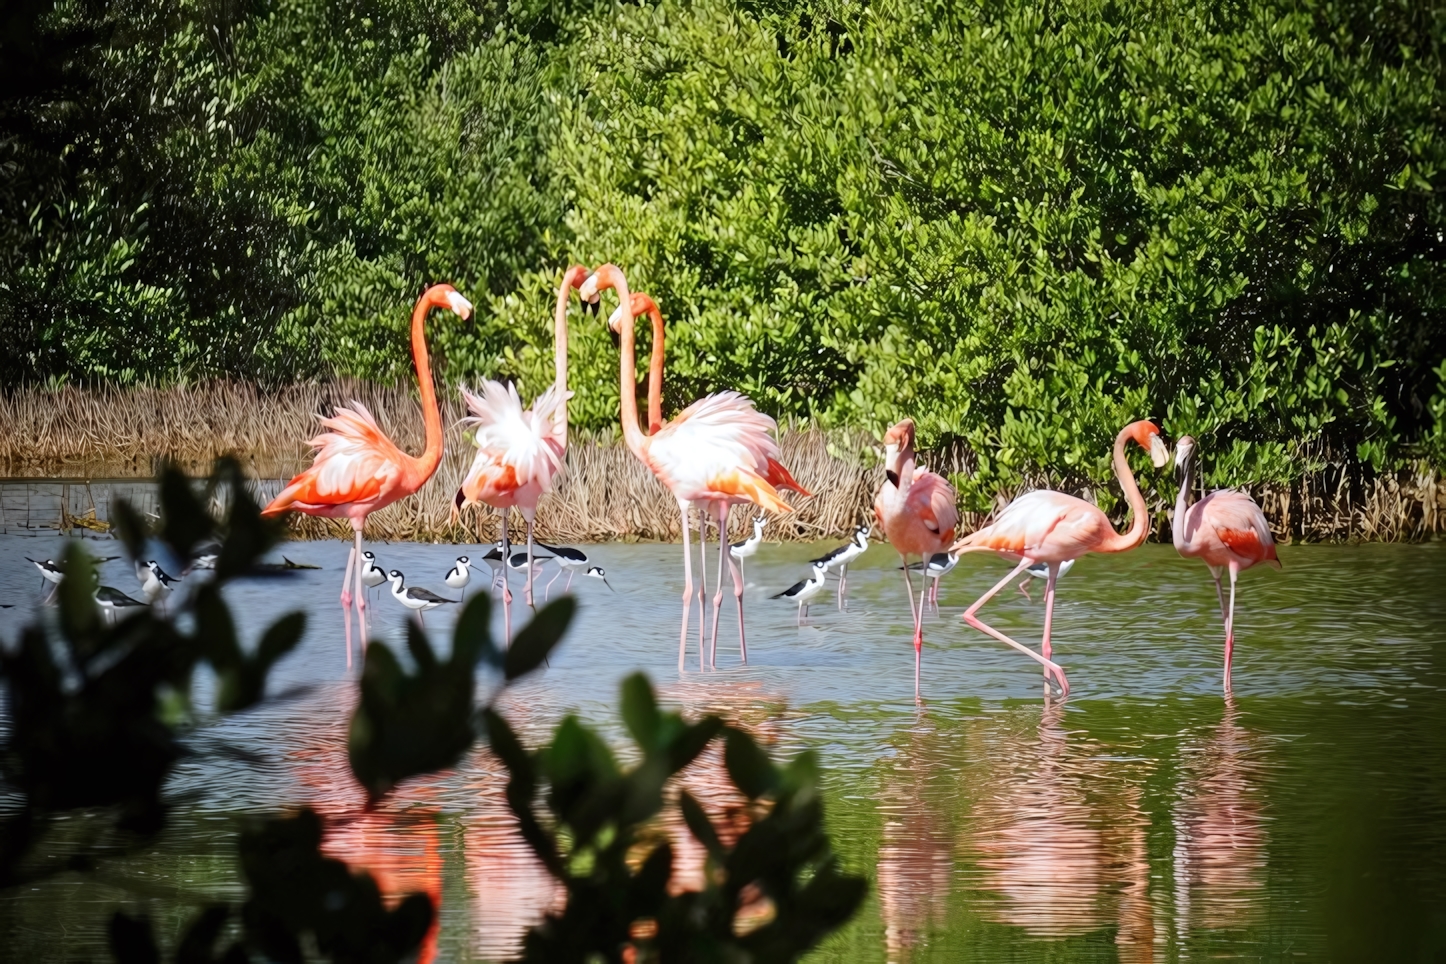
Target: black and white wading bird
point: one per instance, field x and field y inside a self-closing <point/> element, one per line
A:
<point x="111" y="600"/>
<point x="415" y="598"/>
<point x="459" y="575"/>
<point x="1040" y="570"/>
<point x="517" y="562"/>
<point x="50" y="572"/>
<point x="493" y="557"/>
<point x="204" y="557"/>
<point x="746" y="548"/>
<point x="802" y="592"/>
<point x="155" y="582"/>
<point x="596" y="572"/>
<point x="372" y="575"/>
<point x="844" y="555"/>
<point x="568" y="559"/>
<point x="940" y="564"/>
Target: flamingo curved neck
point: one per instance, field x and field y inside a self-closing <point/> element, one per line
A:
<point x="559" y="350"/>
<point x="1182" y="504"/>
<point x="1138" y="529"/>
<point x="628" y="373"/>
<point x="431" y="414"/>
<point x="655" y="374"/>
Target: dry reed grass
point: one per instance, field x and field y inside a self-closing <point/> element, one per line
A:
<point x="605" y="494"/>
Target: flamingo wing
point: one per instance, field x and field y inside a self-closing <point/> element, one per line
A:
<point x="515" y="448"/>
<point x="1043" y="524"/>
<point x="355" y="464"/>
<point x="1240" y="525"/>
<point x="935" y="502"/>
<point x="719" y="447"/>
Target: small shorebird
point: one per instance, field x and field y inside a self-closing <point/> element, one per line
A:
<point x="517" y="562"/>
<point x="155" y="582"/>
<point x="1040" y="570"/>
<point x="459" y="575"/>
<point x="110" y="600"/>
<point x="596" y="572"/>
<point x="372" y="575"/>
<point x="940" y="564"/>
<point x="802" y="592"/>
<point x="493" y="557"/>
<point x="567" y="558"/>
<point x="51" y="572"/>
<point x="746" y="548"/>
<point x="844" y="555"/>
<point x="204" y="557"/>
<point x="415" y="598"/>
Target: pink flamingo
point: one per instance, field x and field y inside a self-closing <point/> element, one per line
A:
<point x="358" y="470"/>
<point x="519" y="454"/>
<point x="1226" y="529"/>
<point x="1054" y="528"/>
<point x="719" y="451"/>
<point x="915" y="511"/>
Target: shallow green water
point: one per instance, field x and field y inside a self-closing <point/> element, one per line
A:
<point x="1144" y="819"/>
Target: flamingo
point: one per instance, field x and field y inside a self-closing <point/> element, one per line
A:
<point x="358" y="470"/>
<point x="1054" y="528"/>
<point x="1226" y="529"/>
<point x="719" y="451"/>
<point x="915" y="511"/>
<point x="519" y="454"/>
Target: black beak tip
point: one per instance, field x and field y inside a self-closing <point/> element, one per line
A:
<point x="893" y="477"/>
<point x="617" y="338"/>
<point x="458" y="499"/>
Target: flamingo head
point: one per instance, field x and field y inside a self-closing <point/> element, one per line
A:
<point x="1146" y="434"/>
<point x="642" y="304"/>
<point x="1184" y="456"/>
<point x="898" y="449"/>
<point x="606" y="276"/>
<point x="445" y="296"/>
<point x="573" y="278"/>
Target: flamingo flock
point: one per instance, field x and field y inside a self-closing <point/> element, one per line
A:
<point x="721" y="452"/>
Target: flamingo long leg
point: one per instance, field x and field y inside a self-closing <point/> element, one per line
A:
<point x="988" y="630"/>
<point x="528" y="516"/>
<point x="361" y="592"/>
<point x="506" y="589"/>
<point x="718" y="596"/>
<point x="918" y="623"/>
<point x="1024" y="587"/>
<point x="1230" y="625"/>
<point x="687" y="583"/>
<point x="702" y="579"/>
<point x="346" y="600"/>
<point x="1049" y="587"/>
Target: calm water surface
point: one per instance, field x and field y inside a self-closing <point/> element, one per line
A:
<point x="1147" y="818"/>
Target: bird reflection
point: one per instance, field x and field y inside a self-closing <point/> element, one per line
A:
<point x="1058" y="836"/>
<point x="1219" y="832"/>
<point x="916" y="863"/>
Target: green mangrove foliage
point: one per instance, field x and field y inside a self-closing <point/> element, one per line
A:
<point x="1022" y="224"/>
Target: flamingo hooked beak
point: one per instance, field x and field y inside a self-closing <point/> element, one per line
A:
<point x="459" y="304"/>
<point x="1159" y="452"/>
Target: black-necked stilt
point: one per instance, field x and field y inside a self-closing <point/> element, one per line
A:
<point x="459" y="575"/>
<point x="415" y="598"/>
<point x="568" y="559"/>
<point x="940" y="564"/>
<point x="372" y="575"/>
<point x="844" y="555"/>
<point x="154" y="581"/>
<point x="1040" y="570"/>
<point x="51" y="572"/>
<point x="596" y="572"/>
<point x="802" y="592"/>
<point x="204" y="556"/>
<point x="517" y="562"/>
<point x="110" y="600"/>
<point x="494" y="559"/>
<point x="748" y="547"/>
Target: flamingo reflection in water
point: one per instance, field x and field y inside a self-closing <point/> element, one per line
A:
<point x="916" y="862"/>
<point x="1059" y="838"/>
<point x="1219" y="832"/>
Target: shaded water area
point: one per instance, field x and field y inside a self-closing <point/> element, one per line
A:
<point x="1146" y="818"/>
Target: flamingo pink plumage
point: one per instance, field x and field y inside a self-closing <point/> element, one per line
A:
<point x="358" y="470"/>
<point x="1226" y="529"/>
<point x="719" y="451"/>
<point x="915" y="510"/>
<point x="1051" y="527"/>
<point x="520" y="453"/>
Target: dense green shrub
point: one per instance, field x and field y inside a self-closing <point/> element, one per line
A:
<point x="1022" y="224"/>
